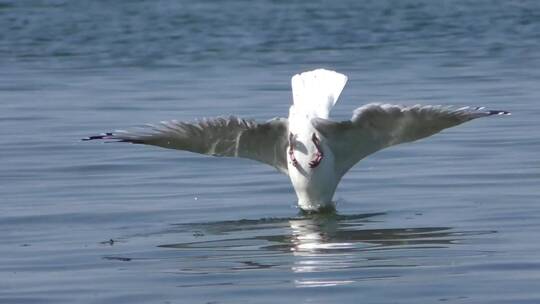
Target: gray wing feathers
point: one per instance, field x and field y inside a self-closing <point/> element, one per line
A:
<point x="377" y="126"/>
<point x="232" y="136"/>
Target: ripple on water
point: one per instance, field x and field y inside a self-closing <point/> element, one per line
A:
<point x="306" y="251"/>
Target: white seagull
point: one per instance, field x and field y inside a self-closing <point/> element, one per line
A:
<point x="312" y="150"/>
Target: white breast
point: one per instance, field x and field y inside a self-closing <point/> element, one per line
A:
<point x="314" y="187"/>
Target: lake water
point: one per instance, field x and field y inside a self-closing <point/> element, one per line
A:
<point x="453" y="218"/>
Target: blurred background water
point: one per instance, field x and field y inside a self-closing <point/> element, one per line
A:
<point x="452" y="218"/>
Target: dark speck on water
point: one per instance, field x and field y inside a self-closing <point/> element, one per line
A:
<point x="452" y="218"/>
<point x="109" y="242"/>
<point x="117" y="259"/>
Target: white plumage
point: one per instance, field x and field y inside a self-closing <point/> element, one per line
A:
<point x="316" y="92"/>
<point x="312" y="150"/>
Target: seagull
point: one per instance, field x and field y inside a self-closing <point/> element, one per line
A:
<point x="314" y="151"/>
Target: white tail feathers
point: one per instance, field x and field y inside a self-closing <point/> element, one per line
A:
<point x="316" y="92"/>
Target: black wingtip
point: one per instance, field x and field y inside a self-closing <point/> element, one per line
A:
<point x="499" y="113"/>
<point x="101" y="136"/>
<point x="491" y="112"/>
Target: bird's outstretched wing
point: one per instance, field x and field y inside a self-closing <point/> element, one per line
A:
<point x="232" y="136"/>
<point x="376" y="126"/>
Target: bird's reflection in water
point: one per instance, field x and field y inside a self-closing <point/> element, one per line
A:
<point x="332" y="233"/>
<point x="330" y="243"/>
<point x="306" y="245"/>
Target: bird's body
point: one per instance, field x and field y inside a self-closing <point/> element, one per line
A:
<point x="314" y="187"/>
<point x="312" y="150"/>
<point x="314" y="95"/>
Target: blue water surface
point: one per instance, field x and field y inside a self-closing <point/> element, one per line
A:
<point x="453" y="218"/>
